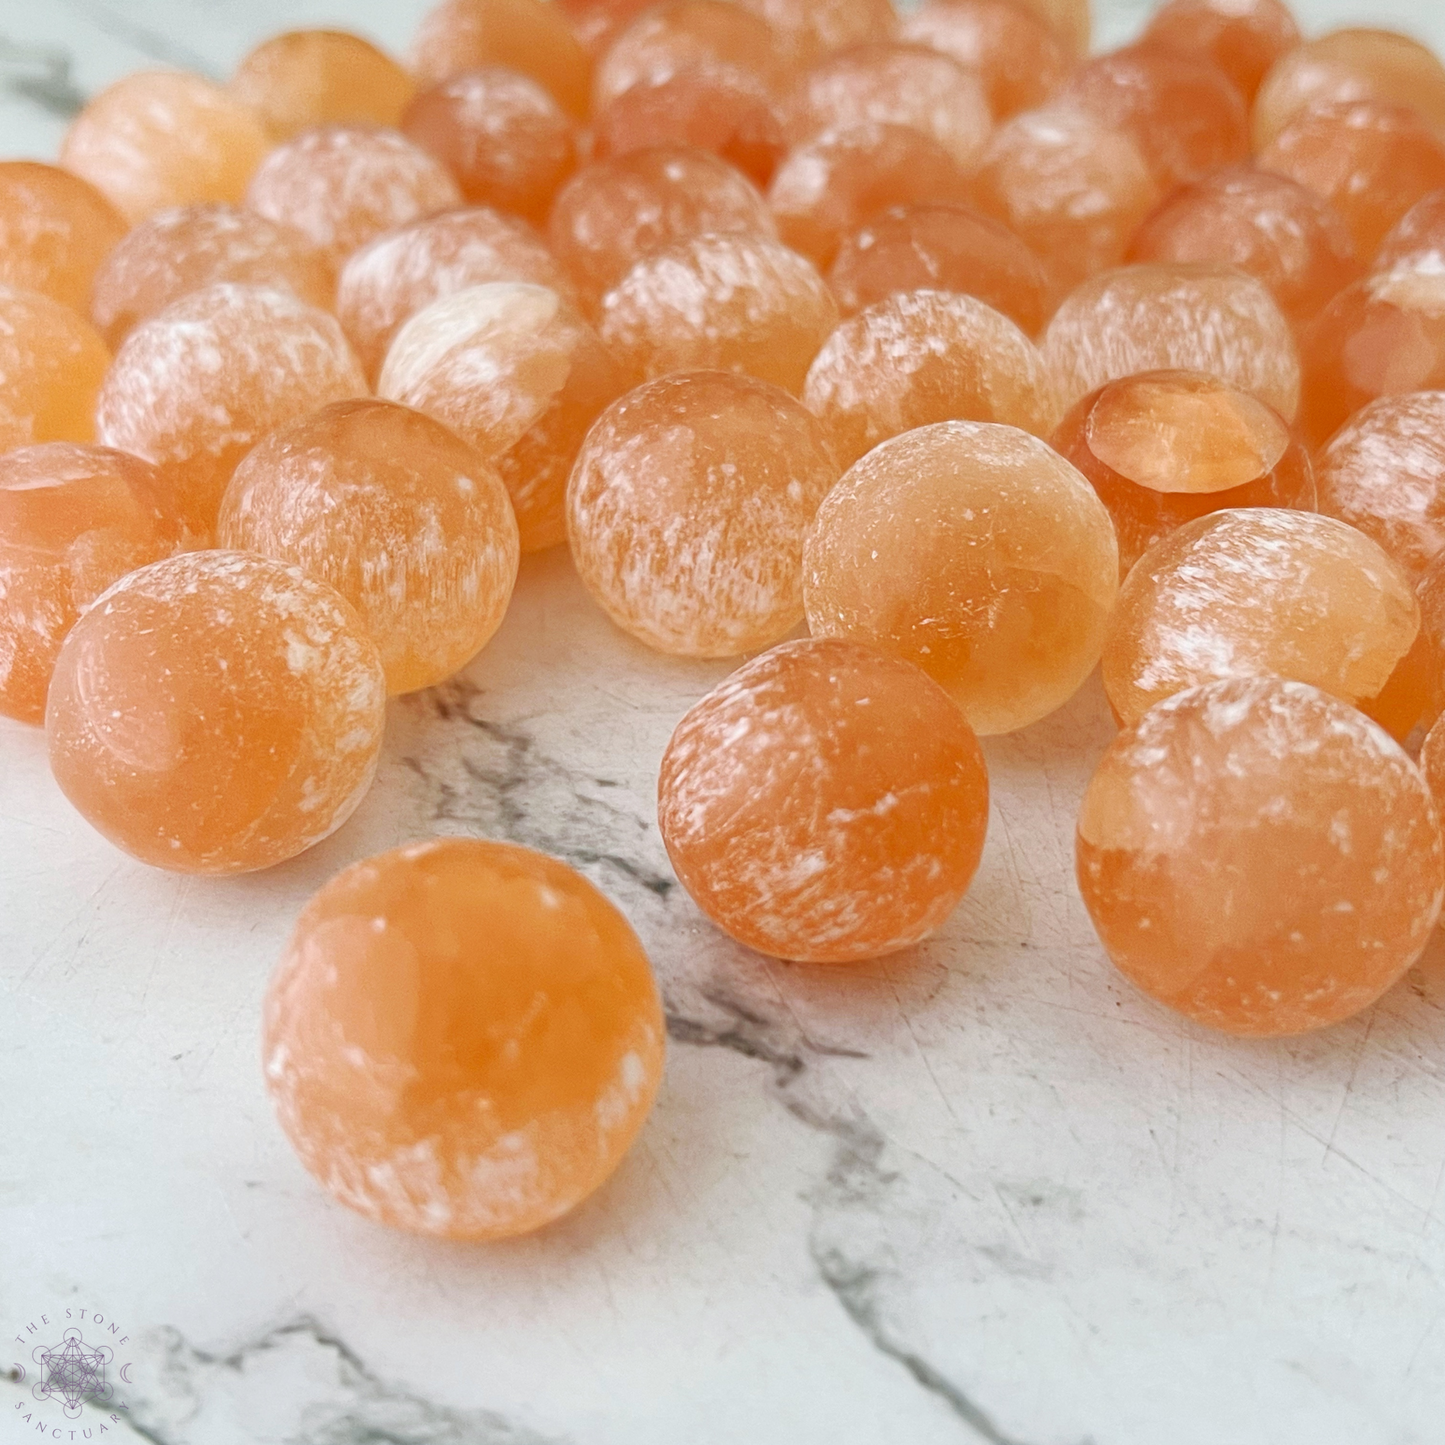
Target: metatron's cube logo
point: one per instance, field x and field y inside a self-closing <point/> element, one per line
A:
<point x="72" y="1372"/>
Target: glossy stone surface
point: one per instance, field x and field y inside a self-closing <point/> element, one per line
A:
<point x="1164" y="447"/>
<point x="51" y="365"/>
<point x="216" y="712"/>
<point x="686" y="511"/>
<point x="73" y="519"/>
<point x="1267" y="591"/>
<point x="826" y="802"/>
<point x="926" y="356"/>
<point x="1417" y="237"/>
<point x="976" y="552"/>
<point x="399" y="515"/>
<point x="806" y="30"/>
<point x="1244" y="38"/>
<point x="1260" y="857"/>
<point x="720" y="303"/>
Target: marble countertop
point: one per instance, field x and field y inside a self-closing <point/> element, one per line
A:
<point x="981" y="1193"/>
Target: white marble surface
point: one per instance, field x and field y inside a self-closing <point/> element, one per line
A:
<point x="983" y="1193"/>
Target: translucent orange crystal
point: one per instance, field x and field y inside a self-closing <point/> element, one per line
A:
<point x="1184" y="114"/>
<point x="705" y="106"/>
<point x="1173" y="316"/>
<point x="196" y="386"/>
<point x="1070" y="186"/>
<point x="547" y="376"/>
<point x="51" y="366"/>
<point x="1020" y="58"/>
<point x="926" y="356"/>
<point x="399" y="515"/>
<point x="1262" y="590"/>
<point x="403" y="271"/>
<point x="216" y="713"/>
<point x="612" y="213"/>
<point x="724" y="303"/>
<point x="1348" y="65"/>
<point x="342" y="185"/>
<point x="531" y="36"/>
<point x="462" y="1038"/>
<point x="825" y="803"/>
<point x="941" y="248"/>
<point x="1264" y="224"/>
<point x="976" y="552"/>
<point x="72" y="520"/>
<point x="1384" y="472"/>
<point x="1244" y="38"/>
<point x="163" y="138"/>
<point x="1260" y="857"/>
<point x="686" y="511"/>
<point x="1382" y="336"/>
<point x="675" y="34"/>
<point x="321" y="77"/>
<point x="1371" y="161"/>
<point x="894" y="84"/>
<point x="55" y="229"/>
<point x="1164" y="447"/>
<point x="1418" y="236"/>
<point x="806" y="30"/>
<point x="187" y="249"/>
<point x="501" y="135"/>
<point x="824" y="190"/>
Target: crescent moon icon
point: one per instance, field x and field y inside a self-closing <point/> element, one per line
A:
<point x="19" y="1374"/>
<point x="123" y="1374"/>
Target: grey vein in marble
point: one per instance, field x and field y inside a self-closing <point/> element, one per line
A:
<point x="42" y="75"/>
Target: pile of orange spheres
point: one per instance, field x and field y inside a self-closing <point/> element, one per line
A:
<point x="986" y="360"/>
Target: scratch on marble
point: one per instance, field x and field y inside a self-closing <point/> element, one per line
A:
<point x="40" y="74"/>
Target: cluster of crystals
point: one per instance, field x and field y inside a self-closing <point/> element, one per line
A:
<point x="989" y="360"/>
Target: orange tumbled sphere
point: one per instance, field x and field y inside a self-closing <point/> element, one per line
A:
<point x="1164" y="447"/>
<point x="976" y="552"/>
<point x="720" y="303"/>
<point x="503" y="137"/>
<point x="462" y="1038"/>
<point x="55" y="229"/>
<point x="530" y="36"/>
<point x="1264" y="224"/>
<point x="1430" y="590"/>
<point x="1184" y="114"/>
<point x="686" y="510"/>
<point x="1348" y="65"/>
<point x="1384" y="472"/>
<point x="675" y="34"/>
<point x="187" y="249"/>
<point x="164" y="138"/>
<point x="1021" y="60"/>
<point x="1417" y="237"/>
<point x="545" y="376"/>
<point x="941" y="248"/>
<point x="403" y="271"/>
<point x="1380" y="337"/>
<point x="1071" y="187"/>
<point x="1261" y="591"/>
<point x="198" y="384"/>
<point x="342" y="185"/>
<point x="1260" y="857"/>
<point x="1174" y="316"/>
<point x="306" y="78"/>
<point x="1432" y="764"/>
<point x="825" y="189"/>
<point x="399" y="515"/>
<point x="893" y="84"/>
<point x="807" y="30"/>
<point x="614" y="212"/>
<point x="926" y="356"/>
<point x="1244" y="38"/>
<point x="1071" y="19"/>
<point x="51" y="366"/>
<point x="1371" y="161"/>
<point x="72" y="520"/>
<point x="826" y="803"/>
<point x="216" y="712"/>
<point x="704" y="106"/>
